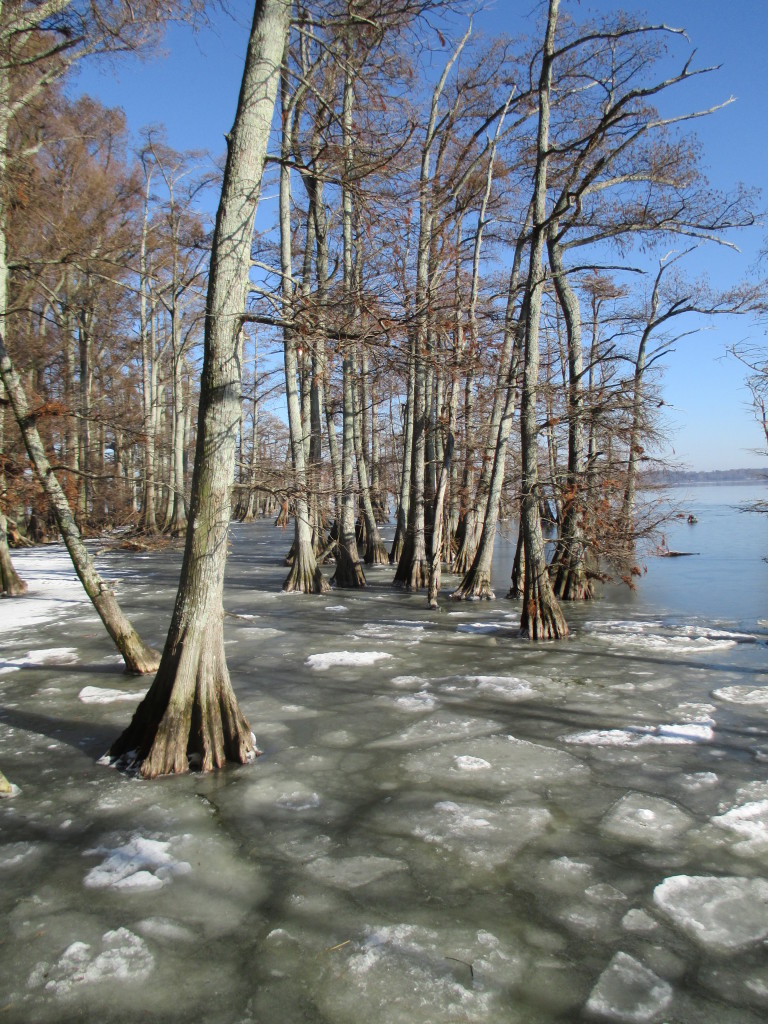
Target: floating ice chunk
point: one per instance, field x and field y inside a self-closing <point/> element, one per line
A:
<point x="755" y="696"/>
<point x="669" y="639"/>
<point x="637" y="920"/>
<point x="516" y="763"/>
<point x="100" y="695"/>
<point x="322" y="662"/>
<point x="644" y="735"/>
<point x="401" y="974"/>
<point x="467" y="763"/>
<point x="13" y="854"/>
<point x="299" y="799"/>
<point x="353" y="872"/>
<point x="564" y="875"/>
<point x="508" y="687"/>
<point x="720" y="913"/>
<point x="629" y="993"/>
<point x="479" y="834"/>
<point x="140" y="864"/>
<point x="421" y="701"/>
<point x="648" y="820"/>
<point x="165" y="930"/>
<point x="602" y="892"/>
<point x="124" y="957"/>
<point x="438" y="728"/>
<point x="407" y="682"/>
<point x="481" y="627"/>
<point x="698" y="780"/>
<point x="749" y="822"/>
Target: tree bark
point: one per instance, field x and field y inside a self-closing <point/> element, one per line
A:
<point x="191" y="714"/>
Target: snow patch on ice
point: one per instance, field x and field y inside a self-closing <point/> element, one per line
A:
<point x="124" y="957"/>
<point x="140" y="864"/>
<point x="645" y="735"/>
<point x="100" y="695"/>
<point x="322" y="662"/>
<point x="754" y="696"/>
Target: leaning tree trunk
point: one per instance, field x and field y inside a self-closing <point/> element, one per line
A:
<point x="10" y="581"/>
<point x="137" y="655"/>
<point x="542" y="617"/>
<point x="191" y="714"/>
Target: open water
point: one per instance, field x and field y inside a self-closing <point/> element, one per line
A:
<point x="448" y="824"/>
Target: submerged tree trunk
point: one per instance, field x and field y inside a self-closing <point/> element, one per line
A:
<point x="137" y="655"/>
<point x="191" y="714"/>
<point x="10" y="581"/>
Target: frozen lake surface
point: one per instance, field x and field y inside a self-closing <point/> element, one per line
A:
<point x="448" y="824"/>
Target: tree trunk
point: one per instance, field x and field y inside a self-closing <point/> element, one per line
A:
<point x="541" y="618"/>
<point x="191" y="713"/>
<point x="10" y="581"/>
<point x="137" y="656"/>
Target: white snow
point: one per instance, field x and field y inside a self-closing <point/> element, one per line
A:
<point x="723" y="914"/>
<point x="139" y="864"/>
<point x="101" y="695"/>
<point x="629" y="993"/>
<point x="322" y="662"/>
<point x="481" y="627"/>
<point x="124" y="957"/>
<point x="468" y="763"/>
<point x="645" y="735"/>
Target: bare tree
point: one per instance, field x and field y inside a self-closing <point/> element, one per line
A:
<point x="191" y="711"/>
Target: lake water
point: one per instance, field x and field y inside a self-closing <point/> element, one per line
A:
<point x="448" y="824"/>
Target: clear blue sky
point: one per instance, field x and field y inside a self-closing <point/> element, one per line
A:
<point x="193" y="89"/>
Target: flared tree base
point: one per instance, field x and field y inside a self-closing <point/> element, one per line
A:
<point x="11" y="583"/>
<point x="376" y="553"/>
<point x="349" y="573"/>
<point x="542" y="618"/>
<point x="573" y="586"/>
<point x="476" y="586"/>
<point x="190" y="718"/>
<point x="305" y="576"/>
<point x="415" y="576"/>
<point x="396" y="552"/>
<point x="140" y="660"/>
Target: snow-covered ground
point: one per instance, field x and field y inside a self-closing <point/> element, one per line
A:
<point x="447" y="824"/>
